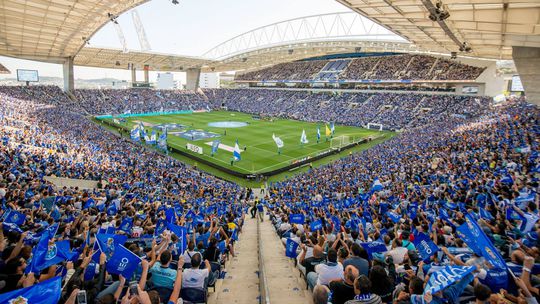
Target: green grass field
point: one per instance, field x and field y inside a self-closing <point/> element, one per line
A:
<point x="261" y="151"/>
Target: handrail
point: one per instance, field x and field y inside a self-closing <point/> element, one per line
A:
<point x="263" y="285"/>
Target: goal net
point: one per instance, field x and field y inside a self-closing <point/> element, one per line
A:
<point x="340" y="142"/>
<point x="375" y="126"/>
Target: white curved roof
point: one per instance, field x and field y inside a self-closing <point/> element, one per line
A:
<point x="490" y="27"/>
<point x="51" y="30"/>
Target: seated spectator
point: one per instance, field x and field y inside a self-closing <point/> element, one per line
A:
<point x="343" y="290"/>
<point x="362" y="290"/>
<point x="325" y="273"/>
<point x="162" y="275"/>
<point x="361" y="264"/>
<point x="195" y="277"/>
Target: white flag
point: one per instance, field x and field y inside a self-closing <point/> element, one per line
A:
<point x="303" y="138"/>
<point x="279" y="142"/>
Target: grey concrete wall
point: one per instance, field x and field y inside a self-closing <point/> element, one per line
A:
<point x="192" y="79"/>
<point x="527" y="61"/>
<point x="69" y="80"/>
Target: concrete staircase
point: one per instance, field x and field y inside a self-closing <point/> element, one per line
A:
<point x="284" y="282"/>
<point x="241" y="283"/>
<point x="254" y="256"/>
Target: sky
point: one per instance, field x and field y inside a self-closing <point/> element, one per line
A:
<point x="189" y="28"/>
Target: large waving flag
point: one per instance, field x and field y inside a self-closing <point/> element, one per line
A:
<point x="123" y="262"/>
<point x="236" y="151"/>
<point x="278" y="141"/>
<point x="135" y="134"/>
<point x="47" y="292"/>
<point x="162" y="142"/>
<point x="328" y="131"/>
<point x="153" y="138"/>
<point x="477" y="240"/>
<point x="215" y="146"/>
<point x="444" y="277"/>
<point x="303" y="138"/>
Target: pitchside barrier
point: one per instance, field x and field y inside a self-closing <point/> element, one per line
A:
<point x="182" y="151"/>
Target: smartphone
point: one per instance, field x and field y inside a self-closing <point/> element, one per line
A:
<point x="133" y="290"/>
<point x="81" y="297"/>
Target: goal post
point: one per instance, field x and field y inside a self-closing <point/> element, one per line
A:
<point x="374" y="126"/>
<point x="340" y="141"/>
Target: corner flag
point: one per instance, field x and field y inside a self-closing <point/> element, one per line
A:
<point x="328" y="131"/>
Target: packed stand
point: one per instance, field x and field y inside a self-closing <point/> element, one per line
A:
<point x="153" y="231"/>
<point x="443" y="213"/>
<point x="93" y="101"/>
<point x="389" y="67"/>
<point x="393" y="110"/>
<point x="297" y="70"/>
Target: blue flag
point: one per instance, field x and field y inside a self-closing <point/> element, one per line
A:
<point x="290" y="248"/>
<point x="123" y="262"/>
<point x="47" y="292"/>
<point x="480" y="244"/>
<point x="11" y="227"/>
<point x="337" y="223"/>
<point x="215" y="146"/>
<point x="485" y="214"/>
<point x="108" y="242"/>
<point x="393" y="216"/>
<point x="181" y="233"/>
<point x="15" y="217"/>
<point x="111" y="209"/>
<point x="316" y="225"/>
<point x="425" y="246"/>
<point x="126" y="225"/>
<point x="444" y="277"/>
<point x="161" y="225"/>
<point x="298" y="218"/>
<point x="374" y="247"/>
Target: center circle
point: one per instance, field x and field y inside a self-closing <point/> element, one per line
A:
<point x="227" y="124"/>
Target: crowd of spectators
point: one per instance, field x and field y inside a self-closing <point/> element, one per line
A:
<point x="140" y="196"/>
<point x="384" y="225"/>
<point x="93" y="101"/>
<point x="393" y="110"/>
<point x="357" y="228"/>
<point x="390" y="67"/>
<point x="298" y="70"/>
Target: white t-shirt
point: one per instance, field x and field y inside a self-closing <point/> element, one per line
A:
<point x="329" y="273"/>
<point x="194" y="278"/>
<point x="398" y="254"/>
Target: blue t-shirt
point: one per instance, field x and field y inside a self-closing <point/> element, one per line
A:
<point x="163" y="276"/>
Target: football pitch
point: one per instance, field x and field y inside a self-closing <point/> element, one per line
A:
<point x="259" y="152"/>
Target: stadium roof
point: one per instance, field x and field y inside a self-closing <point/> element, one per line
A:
<point x="260" y="58"/>
<point x="489" y="27"/>
<point x="117" y="59"/>
<point x="52" y="30"/>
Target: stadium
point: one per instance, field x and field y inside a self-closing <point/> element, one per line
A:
<point x="307" y="151"/>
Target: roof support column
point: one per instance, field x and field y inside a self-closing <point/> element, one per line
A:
<point x="192" y="79"/>
<point x="68" y="75"/>
<point x="146" y="73"/>
<point x="527" y="60"/>
<point x="133" y="75"/>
